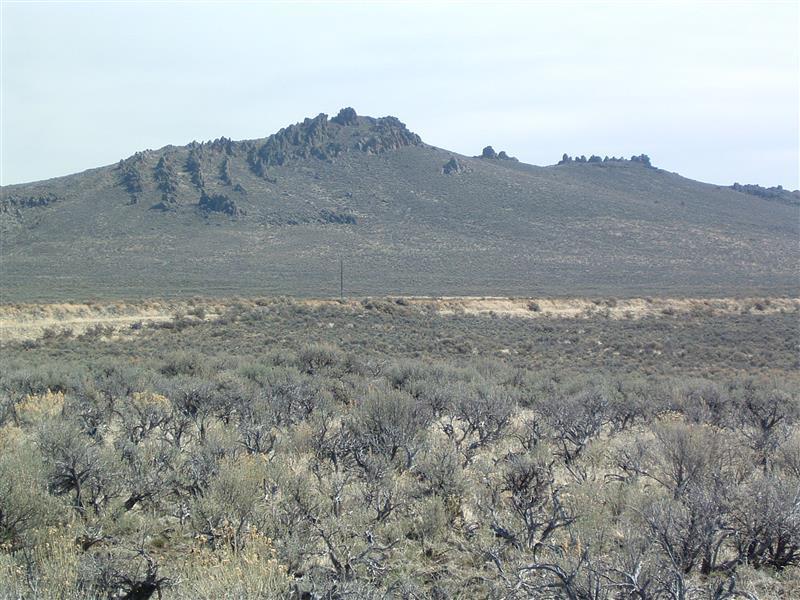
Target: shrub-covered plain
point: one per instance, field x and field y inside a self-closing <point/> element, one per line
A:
<point x="389" y="452"/>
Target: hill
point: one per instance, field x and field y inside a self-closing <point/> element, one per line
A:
<point x="274" y="216"/>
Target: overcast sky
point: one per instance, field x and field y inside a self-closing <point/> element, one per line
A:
<point x="709" y="90"/>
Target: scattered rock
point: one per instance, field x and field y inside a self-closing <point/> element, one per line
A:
<point x="9" y="203"/>
<point x="165" y="205"/>
<point x="168" y="202"/>
<point x="337" y="218"/>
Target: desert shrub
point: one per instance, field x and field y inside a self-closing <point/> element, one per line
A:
<point x="122" y="572"/>
<point x="575" y="421"/>
<point x="527" y="507"/>
<point x="390" y="423"/>
<point x="183" y="363"/>
<point x="703" y="402"/>
<point x="632" y="401"/>
<point x="232" y="503"/>
<point x="149" y="470"/>
<point x="766" y="522"/>
<point x="78" y="466"/>
<point x="766" y="417"/>
<point x="684" y="455"/>
<point x="25" y="505"/>
<point x="316" y="357"/>
<point x="479" y="417"/>
<point x="40" y="379"/>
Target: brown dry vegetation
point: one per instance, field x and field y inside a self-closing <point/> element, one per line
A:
<point x="31" y="321"/>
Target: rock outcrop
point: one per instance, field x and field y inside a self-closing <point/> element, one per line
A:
<point x="195" y="168"/>
<point x="777" y="193"/>
<point x="489" y="153"/>
<point x="346" y="116"/>
<point x="166" y="179"/>
<point x="325" y="139"/>
<point x="219" y="203"/>
<point x="9" y="203"/>
<point x="595" y="159"/>
<point x="454" y="167"/>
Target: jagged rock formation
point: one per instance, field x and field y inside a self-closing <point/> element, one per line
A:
<point x="346" y="116"/>
<point x="131" y="177"/>
<point x="166" y="179"/>
<point x="454" y="167"/>
<point x="195" y="168"/>
<point x="325" y="140"/>
<point x="300" y="141"/>
<point x="225" y="171"/>
<point x="222" y="144"/>
<point x="390" y="134"/>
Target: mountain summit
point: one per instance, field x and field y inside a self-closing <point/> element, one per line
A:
<point x="274" y="216"/>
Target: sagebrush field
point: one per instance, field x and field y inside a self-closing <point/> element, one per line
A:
<point x="381" y="449"/>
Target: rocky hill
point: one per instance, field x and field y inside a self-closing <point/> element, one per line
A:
<point x="275" y="215"/>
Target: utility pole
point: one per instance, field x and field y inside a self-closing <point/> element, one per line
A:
<point x="341" y="278"/>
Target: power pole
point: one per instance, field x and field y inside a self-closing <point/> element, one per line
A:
<point x="341" y="278"/>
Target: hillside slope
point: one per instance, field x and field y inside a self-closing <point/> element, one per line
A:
<point x="274" y="215"/>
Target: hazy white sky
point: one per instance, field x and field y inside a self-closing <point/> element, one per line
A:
<point x="709" y="90"/>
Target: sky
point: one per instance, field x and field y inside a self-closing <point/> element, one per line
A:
<point x="707" y="89"/>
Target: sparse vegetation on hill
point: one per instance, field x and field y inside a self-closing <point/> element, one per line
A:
<point x="500" y="227"/>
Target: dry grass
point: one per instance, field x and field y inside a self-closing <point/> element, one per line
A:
<point x="32" y="321"/>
